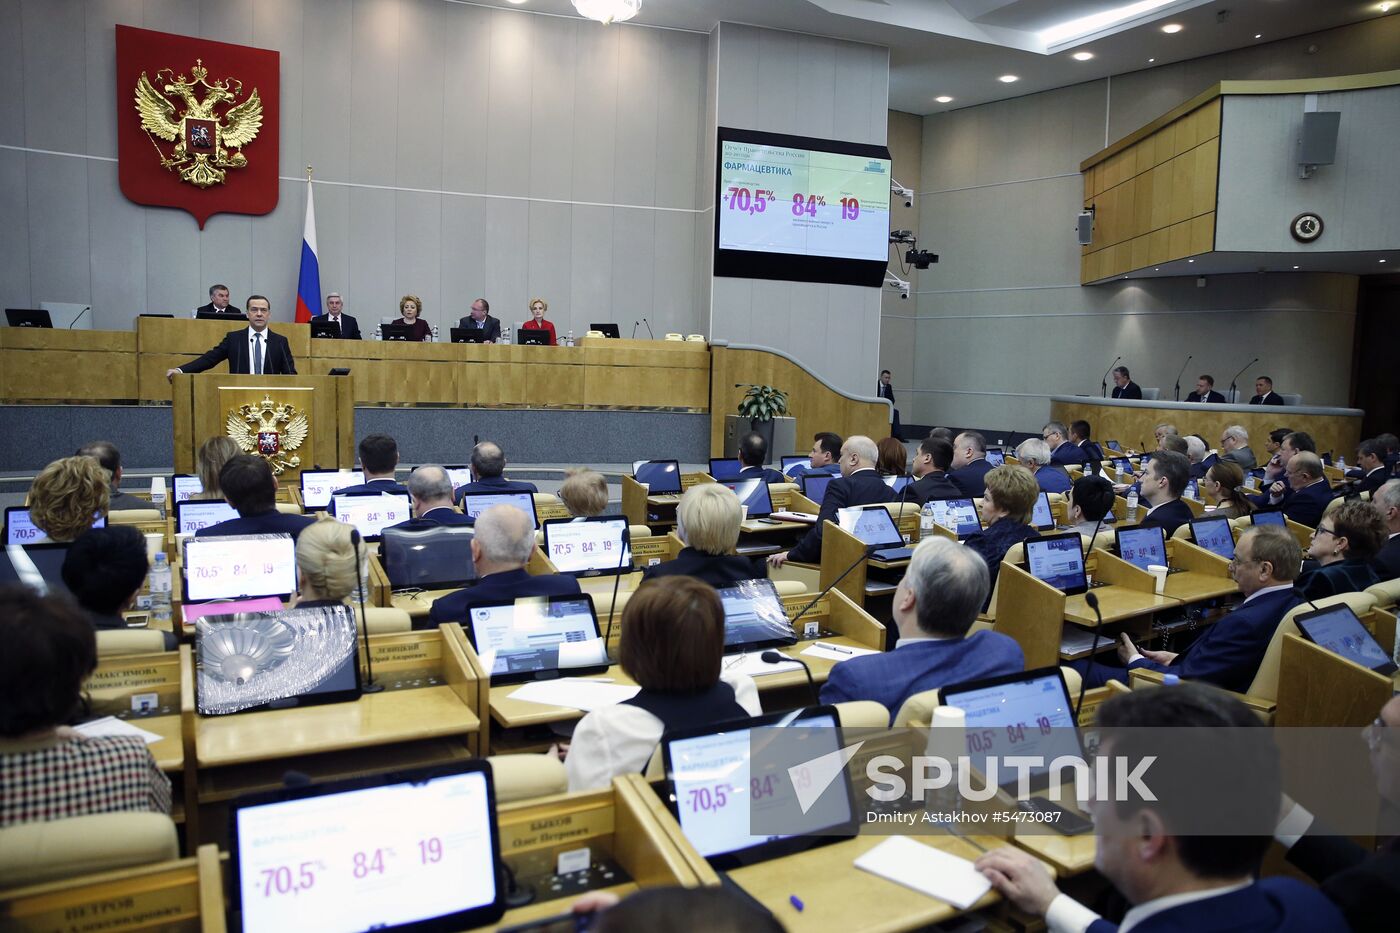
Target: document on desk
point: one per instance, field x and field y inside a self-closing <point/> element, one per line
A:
<point x="755" y="666"/>
<point x="574" y="692"/>
<point x="925" y="869"/>
<point x="111" y="725"/>
<point x="828" y="652"/>
<point x="807" y="518"/>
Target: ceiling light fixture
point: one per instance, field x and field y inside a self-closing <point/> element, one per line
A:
<point x="608" y="11"/>
<point x="1009" y="79"/>
<point x="1172" y="29"/>
<point x="943" y="99"/>
<point x="1295" y="267"/>
<point x="1258" y="35"/>
<point x="1190" y="260"/>
<point x="1386" y="6"/>
<point x="1071" y="31"/>
<point x="1082" y="56"/>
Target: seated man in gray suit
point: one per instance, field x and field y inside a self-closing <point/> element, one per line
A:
<point x="1234" y="446"/>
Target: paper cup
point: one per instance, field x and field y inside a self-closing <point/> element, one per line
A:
<point x="1159" y="576"/>
<point x="155" y="543"/>
<point x="743" y="513"/>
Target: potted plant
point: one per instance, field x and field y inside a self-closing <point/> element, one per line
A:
<point x="761" y="405"/>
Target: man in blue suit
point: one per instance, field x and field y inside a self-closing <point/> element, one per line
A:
<point x="504" y="539"/>
<point x="1063" y="451"/>
<point x="1156" y="852"/>
<point x="379" y="459"/>
<point x="250" y="487"/>
<point x="1162" y="486"/>
<point x="970" y="466"/>
<point x="1309" y="490"/>
<point x="430" y="488"/>
<point x="824" y="458"/>
<point x="488" y="463"/>
<point x="1035" y="456"/>
<point x="753" y="451"/>
<point x="936" y="602"/>
<point x="859" y="484"/>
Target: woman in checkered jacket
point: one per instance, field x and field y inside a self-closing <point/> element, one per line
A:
<point x="47" y="770"/>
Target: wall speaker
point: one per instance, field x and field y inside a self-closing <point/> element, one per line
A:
<point x="1317" y="143"/>
<point x="1086" y="228"/>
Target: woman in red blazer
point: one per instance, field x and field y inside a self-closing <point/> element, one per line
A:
<point x="538" y="306"/>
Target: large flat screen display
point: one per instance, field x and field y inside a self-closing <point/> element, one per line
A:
<point x="801" y="209"/>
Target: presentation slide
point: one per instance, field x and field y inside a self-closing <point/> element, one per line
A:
<point x="230" y="567"/>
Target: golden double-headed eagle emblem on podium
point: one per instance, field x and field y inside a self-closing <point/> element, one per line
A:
<point x="206" y="143"/>
<point x="269" y="430"/>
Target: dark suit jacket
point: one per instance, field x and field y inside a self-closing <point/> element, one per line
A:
<point x="993" y="543"/>
<point x="1365" y="886"/>
<point x="490" y="325"/>
<point x="435" y="518"/>
<point x="1347" y="576"/>
<point x="1244" y="456"/>
<point x="715" y="569"/>
<point x="264" y="523"/>
<point x="1273" y="398"/>
<point x="1053" y="479"/>
<point x="1068" y="454"/>
<point x="277" y="355"/>
<point x="210" y="309"/>
<point x="1131" y="390"/>
<point x="1373" y="480"/>
<point x="932" y="486"/>
<point x="392" y="487"/>
<point x="1305" y="506"/>
<point x="492" y="484"/>
<point x="498" y="588"/>
<point x="1228" y="653"/>
<point x="863" y="488"/>
<point x="1387" y="562"/>
<point x="1270" y="905"/>
<point x="764" y="473"/>
<point x="1211" y="396"/>
<point x="972" y="479"/>
<point x="1171" y="516"/>
<point x="349" y="327"/>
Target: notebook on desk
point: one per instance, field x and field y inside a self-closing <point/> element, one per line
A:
<point x="437" y="558"/>
<point x="39" y="566"/>
<point x="1215" y="535"/>
<point x="876" y="528"/>
<point x="194" y="514"/>
<point x="1042" y="518"/>
<point x="1058" y="560"/>
<point x="725" y="468"/>
<point x="317" y="486"/>
<point x="754" y="617"/>
<point x="474" y="503"/>
<point x="1337" y="629"/>
<point x="1268" y="518"/>
<point x="814" y="486"/>
<point x="20" y="528"/>
<point x="957" y="515"/>
<point x="996" y="456"/>
<point x="794" y="460"/>
<point x="753" y="493"/>
<point x="1142" y="546"/>
<point x="371" y="512"/>
<point x="538" y="638"/>
<point x="185" y="486"/>
<point x="239" y="567"/>
<point x="588" y="547"/>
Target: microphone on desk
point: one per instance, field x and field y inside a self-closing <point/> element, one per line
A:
<point x="772" y="656"/>
<point x="369" y="686"/>
<point x="1234" y="398"/>
<point x="869" y="549"/>
<point x="1093" y="601"/>
<point x="1104" y="387"/>
<point x="80" y="316"/>
<point x="647" y="324"/>
<point x="1176" y="393"/>
<point x="635" y="325"/>
<point x="617" y="581"/>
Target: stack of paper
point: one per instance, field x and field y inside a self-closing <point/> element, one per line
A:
<point x="930" y="871"/>
<point x="574" y="692"/>
<point x="828" y="652"/>
<point x="111" y="725"/>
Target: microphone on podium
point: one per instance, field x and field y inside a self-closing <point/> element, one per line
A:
<point x="1233" y="395"/>
<point x="1104" y="387"/>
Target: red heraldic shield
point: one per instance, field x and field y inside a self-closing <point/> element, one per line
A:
<point x="197" y="123"/>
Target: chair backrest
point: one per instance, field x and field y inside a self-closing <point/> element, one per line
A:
<point x="1319" y="688"/>
<point x="1290" y="398"/>
<point x="524" y="777"/>
<point x="1386" y="593"/>
<point x="384" y="620"/>
<point x="116" y="641"/>
<point x="134" y="516"/>
<point x="1151" y="395"/>
<point x="289" y="508"/>
<point x="49" y="850"/>
<point x="1265" y="684"/>
<point x="1333" y="506"/>
<point x="547" y="498"/>
<point x="1183" y="531"/>
<point x="917" y="711"/>
<point x="862" y="714"/>
<point x="639" y="531"/>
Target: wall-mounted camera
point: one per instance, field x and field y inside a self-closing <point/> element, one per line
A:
<point x="899" y="190"/>
<point x="920" y="258"/>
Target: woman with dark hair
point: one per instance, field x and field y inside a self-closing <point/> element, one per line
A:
<point x="672" y="645"/>
<point x="1343" y="544"/>
<point x="1225" y="483"/>
<point x="894" y="457"/>
<point x="104" y="570"/>
<point x="51" y="772"/>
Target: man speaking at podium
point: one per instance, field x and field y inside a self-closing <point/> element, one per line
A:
<point x="253" y="350"/>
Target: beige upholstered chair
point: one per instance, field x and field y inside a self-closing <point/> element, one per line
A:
<point x="381" y="620"/>
<point x="1386" y="593"/>
<point x="524" y="777"/>
<point x="116" y="641"/>
<point x="1265" y="684"/>
<point x="289" y="508"/>
<point x="134" y="516"/>
<point x="33" y="853"/>
<point x="862" y="714"/>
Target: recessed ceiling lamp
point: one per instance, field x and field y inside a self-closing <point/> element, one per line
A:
<point x="1009" y="79"/>
<point x="1082" y="56"/>
<point x="1172" y="29"/>
<point x="1071" y="32"/>
<point x="608" y="11"/>
<point x="1151" y="60"/>
<point x="1386" y="7"/>
<point x="943" y="99"/>
<point x="1258" y="35"/>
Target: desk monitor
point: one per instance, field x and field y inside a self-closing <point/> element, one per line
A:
<point x="474" y="503"/>
<point x="1337" y="629"/>
<point x="897" y="482"/>
<point x="661" y="477"/>
<point x="814" y="485"/>
<point x="957" y="515"/>
<point x="1114" y="445"/>
<point x="468" y="335"/>
<point x="397" y="332"/>
<point x="588" y="547"/>
<point x="873" y="525"/>
<point x="20" y="529"/>
<point x="1327" y="458"/>
<point x="220" y="316"/>
<point x="39" y="566"/>
<point x="795" y="460"/>
<point x="460" y="474"/>
<point x="428" y="559"/>
<point x="1142" y="545"/>
<point x="754" y="617"/>
<point x="1215" y="535"/>
<point x="326" y="858"/>
<point x="533" y="336"/>
<point x="371" y="512"/>
<point x="1124" y="462"/>
<point x="194" y="514"/>
<point x="28" y="317"/>
<point x="753" y="493"/>
<point x="607" y="330"/>
<point x="723" y="468"/>
<point x="538" y="638"/>
<point x="1059" y="561"/>
<point x="715" y="792"/>
<point x="318" y="485"/>
<point x="1268" y="518"/>
<point x="1026" y="713"/>
<point x="186" y="486"/>
<point x="238" y="567"/>
<point x="996" y="456"/>
<point x="280" y="659"/>
<point x="324" y="329"/>
<point x="1042" y="518"/>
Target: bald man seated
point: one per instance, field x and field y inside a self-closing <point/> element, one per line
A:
<point x="488" y="463"/>
<point x="859" y="484"/>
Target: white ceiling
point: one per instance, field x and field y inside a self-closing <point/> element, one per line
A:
<point x="959" y="48"/>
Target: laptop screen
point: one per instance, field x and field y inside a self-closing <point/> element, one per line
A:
<point x="19" y="564"/>
<point x="20" y="528"/>
<point x="754" y="617"/>
<point x="318" y="485"/>
<point x="371" y="512"/>
<point x="996" y="456"/>
<point x="1268" y="518"/>
<point x="1114" y="445"/>
<point x="725" y="468"/>
<point x="661" y="477"/>
<point x="1042" y="518"/>
<point x="235" y="566"/>
<point x="537" y="635"/>
<point x="1337" y="629"/>
<point x="873" y="526"/>
<point x="1058" y="560"/>
<point x="194" y="514"/>
<point x="460" y="475"/>
<point x="1214" y="535"/>
<point x="428" y="559"/>
<point x="588" y="546"/>
<point x="369" y="854"/>
<point x="957" y="515"/>
<point x="794" y="460"/>
<point x="185" y="486"/>
<point x="715" y="791"/>
<point x="814" y="486"/>
<point x="1142" y="546"/>
<point x="1027" y="713"/>
<point x="754" y="494"/>
<point x="474" y="503"/>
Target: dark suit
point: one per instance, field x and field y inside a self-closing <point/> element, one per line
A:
<point x="391" y="486"/>
<point x="972" y="479"/>
<point x="1387" y="562"/>
<point x="865" y="487"/>
<point x="349" y="327"/>
<point x="993" y="543"/>
<point x="1305" y="506"/>
<point x="1365" y="886"/>
<point x="935" y="485"/>
<point x="1346" y="576"/>
<point x="489" y="326"/>
<point x="1211" y="396"/>
<point x="1244" y="456"/>
<point x="1273" y="398"/>
<point x="715" y="569"/>
<point x="1372" y="481"/>
<point x="1228" y="653"/>
<point x="264" y="523"/>
<point x="1052" y="479"/>
<point x="119" y="501"/>
<point x="498" y="588"/>
<point x="277" y="355"/>
<point x="1269" y="905"/>
<point x="231" y="310"/>
<point x="435" y="518"/>
<point x="1068" y="454"/>
<point x="887" y="392"/>
<point x="1131" y="390"/>
<point x="1169" y="516"/>
<point x="495" y="484"/>
<point x="764" y="473"/>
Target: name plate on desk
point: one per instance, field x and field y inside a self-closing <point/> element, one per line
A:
<point x="415" y="650"/>
<point x="167" y="902"/>
<point x="568" y="827"/>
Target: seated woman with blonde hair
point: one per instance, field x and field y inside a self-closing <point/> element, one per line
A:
<point x="212" y="456"/>
<point x="411" y="313"/>
<point x="328" y="568"/>
<point x="707" y="521"/>
<point x="584" y="492"/>
<point x="67" y="496"/>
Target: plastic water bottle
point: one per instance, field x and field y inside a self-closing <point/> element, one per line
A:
<point x="569" y="340"/>
<point x="1132" y="505"/>
<point x="378" y="334"/>
<point x="160" y="591"/>
<point x="926" y="521"/>
<point x="1118" y="471"/>
<point x="434" y="337"/>
<point x="1341" y="463"/>
<point x="505" y="333"/>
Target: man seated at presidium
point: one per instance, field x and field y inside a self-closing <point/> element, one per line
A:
<point x="1035" y="456"/>
<point x="753" y="451"/>
<point x="335" y="314"/>
<point x="1264" y="392"/>
<point x="218" y="302"/>
<point x="1123" y="386"/>
<point x="859" y="484"/>
<point x="707" y="522"/>
<point x="501" y="548"/>
<point x="379" y="460"/>
<point x="970" y="466"/>
<point x="430" y="488"/>
<point x="1205" y="391"/>
<point x="1175" y="879"/>
<point x="252" y="350"/>
<point x="935" y="604"/>
<point x="250" y="487"/>
<point x="480" y="319"/>
<point x="488" y="463"/>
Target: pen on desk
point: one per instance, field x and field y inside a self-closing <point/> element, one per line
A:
<point x="837" y="648"/>
<point x="796" y="902"/>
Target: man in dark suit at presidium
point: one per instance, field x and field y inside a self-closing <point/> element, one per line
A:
<point x="1123" y="385"/>
<point x="252" y="350"/>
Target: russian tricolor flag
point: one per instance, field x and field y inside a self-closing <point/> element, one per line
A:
<point x="309" y="280"/>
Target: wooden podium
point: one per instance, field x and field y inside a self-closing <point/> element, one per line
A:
<point x="296" y="422"/>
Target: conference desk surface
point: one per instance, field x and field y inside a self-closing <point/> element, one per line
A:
<point x="169" y="752"/>
<point x="1116" y="603"/>
<point x="1068" y="855"/>
<point x="1193" y="586"/>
